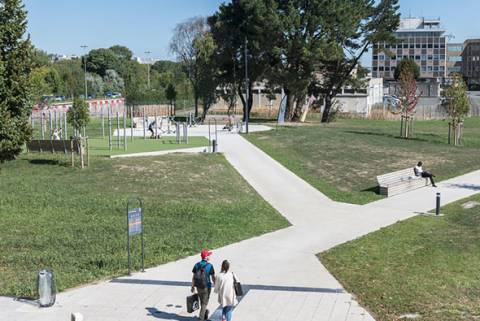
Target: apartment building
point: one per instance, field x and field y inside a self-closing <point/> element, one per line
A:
<point x="454" y="58"/>
<point x="471" y="61"/>
<point x="423" y="40"/>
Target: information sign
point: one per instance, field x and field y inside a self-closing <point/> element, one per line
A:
<point x="135" y="221"/>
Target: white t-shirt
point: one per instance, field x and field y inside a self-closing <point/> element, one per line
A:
<point x="418" y="170"/>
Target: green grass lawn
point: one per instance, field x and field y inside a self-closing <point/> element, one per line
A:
<point x="342" y="159"/>
<point x="74" y="221"/>
<point x="424" y="265"/>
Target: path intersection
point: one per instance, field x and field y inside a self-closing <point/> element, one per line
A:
<point x="281" y="276"/>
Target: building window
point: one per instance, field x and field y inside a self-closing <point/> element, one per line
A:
<point x="381" y="57"/>
<point x="418" y="46"/>
<point x="423" y="68"/>
<point x="430" y="46"/>
<point x="457" y="68"/>
<point x="430" y="57"/>
<point x="442" y="46"/>
<point x="417" y="57"/>
<point x="435" y="68"/>
<point x="442" y="57"/>
<point x="380" y="68"/>
<point x="387" y="68"/>
<point x="455" y="48"/>
<point x="412" y="46"/>
<point x="399" y="57"/>
<point x="436" y="46"/>
<point x="455" y="58"/>
<point x="375" y="57"/>
<point x="442" y="68"/>
<point x="405" y="46"/>
<point x="423" y="57"/>
<point x="429" y="68"/>
<point x="449" y="69"/>
<point x="424" y="46"/>
<point x="435" y="57"/>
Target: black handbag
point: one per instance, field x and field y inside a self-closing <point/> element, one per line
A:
<point x="192" y="303"/>
<point x="237" y="285"/>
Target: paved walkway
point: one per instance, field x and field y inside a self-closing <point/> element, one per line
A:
<point x="282" y="277"/>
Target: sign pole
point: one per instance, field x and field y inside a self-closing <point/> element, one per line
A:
<point x="135" y="226"/>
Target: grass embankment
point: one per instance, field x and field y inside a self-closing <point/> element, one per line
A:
<point x="100" y="146"/>
<point x="342" y="159"/>
<point x="74" y="221"/>
<point x="424" y="265"/>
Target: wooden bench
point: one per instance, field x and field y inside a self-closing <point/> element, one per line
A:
<point x="62" y="146"/>
<point x="400" y="182"/>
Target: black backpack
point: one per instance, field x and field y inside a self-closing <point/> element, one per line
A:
<point x="200" y="277"/>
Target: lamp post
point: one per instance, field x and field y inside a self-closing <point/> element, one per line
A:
<point x="85" y="66"/>
<point x="148" y="62"/>
<point x="246" y="87"/>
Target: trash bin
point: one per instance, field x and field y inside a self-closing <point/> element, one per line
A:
<point x="46" y="288"/>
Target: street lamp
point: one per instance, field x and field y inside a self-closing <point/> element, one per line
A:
<point x="246" y="86"/>
<point x="85" y="66"/>
<point x="148" y="62"/>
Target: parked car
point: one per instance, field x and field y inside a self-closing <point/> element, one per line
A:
<point x="390" y="100"/>
<point x="116" y="95"/>
<point x="109" y="94"/>
<point x="59" y="98"/>
<point x="92" y="96"/>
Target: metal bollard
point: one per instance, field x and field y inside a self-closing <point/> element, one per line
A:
<point x="214" y="143"/>
<point x="438" y="204"/>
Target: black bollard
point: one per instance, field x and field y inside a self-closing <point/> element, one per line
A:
<point x="214" y="143"/>
<point x="438" y="204"/>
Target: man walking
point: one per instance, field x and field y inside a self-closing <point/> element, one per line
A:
<point x="202" y="272"/>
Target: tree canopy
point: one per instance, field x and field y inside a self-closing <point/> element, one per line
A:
<point x="16" y="64"/>
<point x="407" y="64"/>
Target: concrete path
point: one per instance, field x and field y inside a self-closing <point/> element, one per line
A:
<point x="282" y="278"/>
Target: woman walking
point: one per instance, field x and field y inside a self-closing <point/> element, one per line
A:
<point x="226" y="291"/>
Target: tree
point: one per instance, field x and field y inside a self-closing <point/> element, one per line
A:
<point x="100" y="60"/>
<point x="16" y="64"/>
<point x="45" y="80"/>
<point x="41" y="58"/>
<point x="182" y="46"/>
<point x="122" y="52"/>
<point x="231" y="26"/>
<point x="112" y="81"/>
<point x="457" y="105"/>
<point x="351" y="27"/>
<point x="207" y="70"/>
<point x="407" y="64"/>
<point x="409" y="97"/>
<point x="78" y="115"/>
<point x="170" y="93"/>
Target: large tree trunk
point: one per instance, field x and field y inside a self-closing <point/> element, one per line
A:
<point x="328" y="106"/>
<point x="250" y="101"/>
<point x="289" y="107"/>
<point x="298" y="109"/>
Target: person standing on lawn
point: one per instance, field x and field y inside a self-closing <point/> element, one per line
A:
<point x="203" y="276"/>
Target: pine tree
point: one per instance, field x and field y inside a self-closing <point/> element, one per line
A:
<point x="16" y="63"/>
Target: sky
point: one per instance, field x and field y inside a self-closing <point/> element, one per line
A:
<point x="62" y="26"/>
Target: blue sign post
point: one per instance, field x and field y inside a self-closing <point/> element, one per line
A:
<point x="134" y="226"/>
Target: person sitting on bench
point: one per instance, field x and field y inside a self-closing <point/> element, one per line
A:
<point x="229" y="124"/>
<point x="420" y="173"/>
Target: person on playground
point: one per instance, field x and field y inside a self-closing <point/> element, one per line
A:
<point x="56" y="134"/>
<point x="229" y="124"/>
<point x="150" y="128"/>
<point x="204" y="292"/>
<point x="226" y="291"/>
<point x="420" y="173"/>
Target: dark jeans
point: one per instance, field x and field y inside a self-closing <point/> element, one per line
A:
<point x="429" y="175"/>
<point x="203" y="296"/>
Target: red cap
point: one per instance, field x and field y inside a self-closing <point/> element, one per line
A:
<point x="205" y="253"/>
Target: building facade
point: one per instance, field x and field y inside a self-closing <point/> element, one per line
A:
<point x="423" y="40"/>
<point x="471" y="62"/>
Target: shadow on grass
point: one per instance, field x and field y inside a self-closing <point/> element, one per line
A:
<point x="374" y="189"/>
<point x="44" y="162"/>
